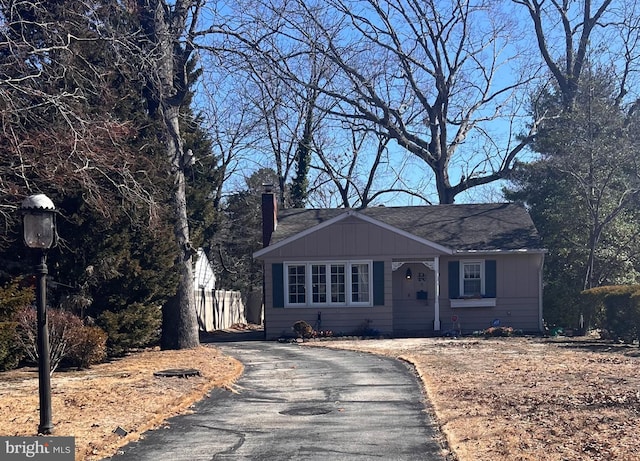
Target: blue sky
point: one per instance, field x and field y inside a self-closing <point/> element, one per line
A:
<point x="417" y="176"/>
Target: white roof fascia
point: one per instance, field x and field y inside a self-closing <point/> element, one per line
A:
<point x="345" y="215"/>
<point x="498" y="252"/>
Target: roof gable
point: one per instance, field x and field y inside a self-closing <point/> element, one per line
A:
<point x="448" y="228"/>
<point x="301" y="221"/>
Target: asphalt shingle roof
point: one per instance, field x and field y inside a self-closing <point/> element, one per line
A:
<point x="493" y="226"/>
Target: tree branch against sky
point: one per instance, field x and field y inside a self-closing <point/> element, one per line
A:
<point x="571" y="34"/>
<point x="282" y="118"/>
<point x="428" y="74"/>
<point x="231" y="118"/>
<point x="358" y="170"/>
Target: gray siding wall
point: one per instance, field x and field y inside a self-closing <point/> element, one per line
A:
<point x="516" y="300"/>
<point x="279" y="321"/>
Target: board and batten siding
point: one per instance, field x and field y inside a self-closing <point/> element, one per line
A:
<point x="351" y="238"/>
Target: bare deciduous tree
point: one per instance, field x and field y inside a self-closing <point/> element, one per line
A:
<point x="432" y="76"/>
<point x="563" y="30"/>
<point x="358" y="173"/>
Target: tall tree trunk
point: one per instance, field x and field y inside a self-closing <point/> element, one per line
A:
<point x="181" y="331"/>
<point x="588" y="273"/>
<point x="164" y="26"/>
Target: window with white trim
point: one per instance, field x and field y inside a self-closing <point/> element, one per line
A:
<point x="472" y="278"/>
<point x="332" y="283"/>
<point x="318" y="283"/>
<point x="338" y="284"/>
<point x="296" y="281"/>
<point x="473" y="283"/>
<point x="360" y="283"/>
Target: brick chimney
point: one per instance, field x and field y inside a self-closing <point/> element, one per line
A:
<point x="269" y="214"/>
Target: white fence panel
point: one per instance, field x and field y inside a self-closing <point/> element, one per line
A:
<point x="219" y="309"/>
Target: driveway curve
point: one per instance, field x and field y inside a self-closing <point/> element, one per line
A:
<point x="301" y="403"/>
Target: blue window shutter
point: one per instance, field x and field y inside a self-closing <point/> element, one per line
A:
<point x="490" y="278"/>
<point x="454" y="279"/>
<point x="378" y="283"/>
<point x="277" y="278"/>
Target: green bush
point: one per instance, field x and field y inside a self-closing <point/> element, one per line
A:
<point x="135" y="327"/>
<point x="562" y="306"/>
<point x="10" y="351"/>
<point x="618" y="310"/>
<point x="592" y="303"/>
<point x="13" y="297"/>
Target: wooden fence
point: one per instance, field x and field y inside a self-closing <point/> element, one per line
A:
<point x="219" y="309"/>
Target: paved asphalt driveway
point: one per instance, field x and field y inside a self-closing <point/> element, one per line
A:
<point x="301" y="403"/>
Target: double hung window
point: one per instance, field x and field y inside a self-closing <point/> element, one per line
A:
<point x="473" y="283"/>
<point x="338" y="284"/>
<point x="318" y="283"/>
<point x="360" y="283"/>
<point x="472" y="279"/>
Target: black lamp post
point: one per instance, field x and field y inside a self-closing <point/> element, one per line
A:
<point x="39" y="223"/>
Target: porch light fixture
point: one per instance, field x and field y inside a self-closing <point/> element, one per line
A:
<point x="408" y="274"/>
<point x="39" y="231"/>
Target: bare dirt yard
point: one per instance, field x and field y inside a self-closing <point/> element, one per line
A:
<point x="494" y="399"/>
<point x="92" y="404"/>
<point x="532" y="399"/>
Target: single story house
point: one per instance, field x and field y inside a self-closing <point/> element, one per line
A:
<point x="415" y="270"/>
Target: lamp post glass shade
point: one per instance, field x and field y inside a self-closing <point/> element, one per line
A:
<point x="39" y="227"/>
<point x="39" y="221"/>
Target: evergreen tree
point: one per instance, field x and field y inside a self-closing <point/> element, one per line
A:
<point x="241" y="235"/>
<point x="88" y="142"/>
<point x="300" y="187"/>
<point x="582" y="193"/>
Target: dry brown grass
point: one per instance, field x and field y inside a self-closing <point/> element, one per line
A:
<point x="527" y="398"/>
<point x="90" y="404"/>
<point x="494" y="399"/>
